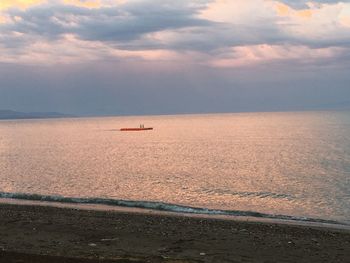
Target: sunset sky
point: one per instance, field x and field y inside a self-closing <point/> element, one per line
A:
<point x="101" y="57"/>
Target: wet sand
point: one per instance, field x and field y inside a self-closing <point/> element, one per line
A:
<point x="49" y="234"/>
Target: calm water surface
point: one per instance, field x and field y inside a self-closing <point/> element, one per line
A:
<point x="294" y="164"/>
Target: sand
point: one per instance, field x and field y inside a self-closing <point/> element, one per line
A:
<point x="49" y="234"/>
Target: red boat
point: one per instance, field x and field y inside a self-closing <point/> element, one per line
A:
<point x="136" y="129"/>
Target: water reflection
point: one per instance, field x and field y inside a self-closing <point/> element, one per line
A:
<point x="283" y="163"/>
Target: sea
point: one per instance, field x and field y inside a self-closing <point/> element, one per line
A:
<point x="280" y="165"/>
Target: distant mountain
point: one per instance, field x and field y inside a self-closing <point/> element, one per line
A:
<point x="10" y="114"/>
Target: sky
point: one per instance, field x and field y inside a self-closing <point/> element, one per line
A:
<point x="127" y="57"/>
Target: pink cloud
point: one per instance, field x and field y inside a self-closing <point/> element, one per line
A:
<point x="5" y="4"/>
<point x="257" y="54"/>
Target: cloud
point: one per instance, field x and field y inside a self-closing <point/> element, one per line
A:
<point x="121" y="30"/>
<point x="86" y="3"/>
<point x="117" y="23"/>
<point x="318" y="25"/>
<point x="301" y="4"/>
<point x="203" y="31"/>
<point x="257" y="54"/>
<point x="23" y="4"/>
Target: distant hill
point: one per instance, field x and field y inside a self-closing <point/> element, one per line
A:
<point x="10" y="114"/>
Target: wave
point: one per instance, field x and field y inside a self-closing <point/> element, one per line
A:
<point x="159" y="206"/>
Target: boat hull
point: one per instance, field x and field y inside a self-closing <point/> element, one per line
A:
<point x="136" y="129"/>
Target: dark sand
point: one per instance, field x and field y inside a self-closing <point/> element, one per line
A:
<point x="47" y="234"/>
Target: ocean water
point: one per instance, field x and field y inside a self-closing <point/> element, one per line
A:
<point x="292" y="165"/>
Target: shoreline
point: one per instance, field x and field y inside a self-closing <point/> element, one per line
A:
<point x="288" y="220"/>
<point x="47" y="233"/>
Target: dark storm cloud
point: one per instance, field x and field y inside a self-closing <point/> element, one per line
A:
<point x="123" y="23"/>
<point x="209" y="39"/>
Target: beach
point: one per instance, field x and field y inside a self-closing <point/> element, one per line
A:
<point x="31" y="233"/>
